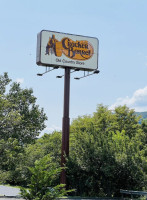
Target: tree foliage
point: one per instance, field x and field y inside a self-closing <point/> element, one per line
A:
<point x="21" y="121"/>
<point x="107" y="153"/>
<point x="43" y="181"/>
<point x="108" y="150"/>
<point x="46" y="145"/>
<point x="20" y="117"/>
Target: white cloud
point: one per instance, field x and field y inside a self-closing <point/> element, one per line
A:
<point x="19" y="80"/>
<point x="52" y="128"/>
<point x="49" y="130"/>
<point x="138" y="101"/>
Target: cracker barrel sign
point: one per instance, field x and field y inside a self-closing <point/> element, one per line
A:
<point x="66" y="50"/>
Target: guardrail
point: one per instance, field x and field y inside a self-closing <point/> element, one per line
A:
<point x="131" y="192"/>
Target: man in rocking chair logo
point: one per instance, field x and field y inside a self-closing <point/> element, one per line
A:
<point x="50" y="48"/>
<point x="76" y="50"/>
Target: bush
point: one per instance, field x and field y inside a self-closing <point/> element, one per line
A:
<point x="43" y="181"/>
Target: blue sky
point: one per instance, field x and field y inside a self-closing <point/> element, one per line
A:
<point x="120" y="26"/>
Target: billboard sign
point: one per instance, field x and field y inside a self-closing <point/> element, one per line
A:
<point x="67" y="50"/>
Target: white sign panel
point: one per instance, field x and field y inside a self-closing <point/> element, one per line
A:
<point x="66" y="50"/>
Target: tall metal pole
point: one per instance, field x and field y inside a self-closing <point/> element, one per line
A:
<point x="65" y="124"/>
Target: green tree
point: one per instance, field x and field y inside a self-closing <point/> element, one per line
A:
<point x="47" y="144"/>
<point x="107" y="152"/>
<point x="43" y="181"/>
<point x="144" y="128"/>
<point x="127" y="120"/>
<point x="11" y="159"/>
<point x="21" y="121"/>
<point x="20" y="117"/>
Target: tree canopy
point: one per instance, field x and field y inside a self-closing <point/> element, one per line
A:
<point x="108" y="149"/>
<point x="20" y="117"/>
<point x="21" y="121"/>
<point x="107" y="153"/>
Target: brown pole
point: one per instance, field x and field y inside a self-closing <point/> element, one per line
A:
<point x="65" y="124"/>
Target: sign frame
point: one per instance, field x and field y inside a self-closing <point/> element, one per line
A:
<point x="85" y="57"/>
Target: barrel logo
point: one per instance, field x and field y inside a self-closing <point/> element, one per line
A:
<point x="76" y="50"/>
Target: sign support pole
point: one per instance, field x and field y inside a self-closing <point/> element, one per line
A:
<point x="65" y="124"/>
